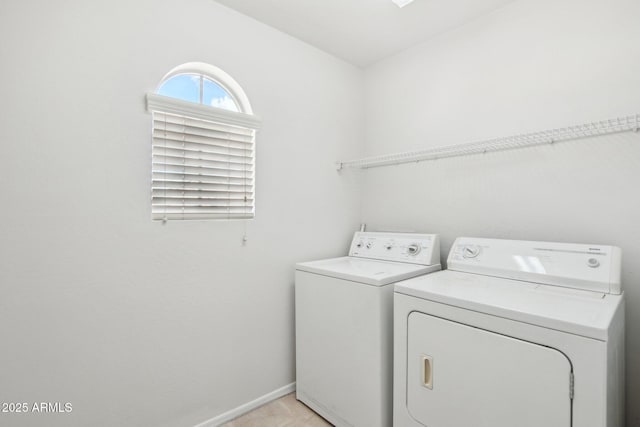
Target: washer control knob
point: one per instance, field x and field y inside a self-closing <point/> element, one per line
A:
<point x="369" y="245"/>
<point x="413" y="249"/>
<point x="593" y="263"/>
<point x="471" y="251"/>
<point x="388" y="246"/>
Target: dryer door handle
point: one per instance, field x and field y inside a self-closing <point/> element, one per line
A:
<point x="426" y="371"/>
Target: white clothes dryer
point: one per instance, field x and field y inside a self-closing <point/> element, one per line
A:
<point x="514" y="333"/>
<point x="344" y="325"/>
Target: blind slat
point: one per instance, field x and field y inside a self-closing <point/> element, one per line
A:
<point x="240" y="190"/>
<point x="160" y="176"/>
<point x="197" y="139"/>
<point x="243" y="199"/>
<point x="220" y="184"/>
<point x="190" y="203"/>
<point x="245" y="151"/>
<point x="242" y="155"/>
<point x="205" y="130"/>
<point x="198" y="209"/>
<point x="205" y="215"/>
<point x="218" y="170"/>
<point x="200" y="160"/>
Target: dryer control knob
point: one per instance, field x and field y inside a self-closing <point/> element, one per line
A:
<point x="413" y="249"/>
<point x="593" y="263"/>
<point x="471" y="251"/>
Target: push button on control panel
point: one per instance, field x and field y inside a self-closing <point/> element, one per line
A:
<point x="593" y="263"/>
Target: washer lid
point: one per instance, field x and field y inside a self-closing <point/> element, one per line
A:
<point x="574" y="311"/>
<point x="368" y="271"/>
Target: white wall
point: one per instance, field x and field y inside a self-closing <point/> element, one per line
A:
<point x="133" y="322"/>
<point x="532" y="65"/>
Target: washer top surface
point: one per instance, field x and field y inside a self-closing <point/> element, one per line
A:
<point x="579" y="312"/>
<point x="368" y="271"/>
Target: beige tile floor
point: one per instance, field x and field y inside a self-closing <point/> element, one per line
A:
<point x="283" y="412"/>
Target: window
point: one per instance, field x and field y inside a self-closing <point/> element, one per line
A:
<point x="203" y="146"/>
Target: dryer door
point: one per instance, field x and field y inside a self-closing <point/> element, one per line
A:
<point x="458" y="375"/>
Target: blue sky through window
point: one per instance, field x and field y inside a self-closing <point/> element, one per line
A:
<point x="187" y="88"/>
<point x="216" y="96"/>
<point x="183" y="86"/>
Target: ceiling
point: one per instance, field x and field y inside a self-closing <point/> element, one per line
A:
<point x="363" y="31"/>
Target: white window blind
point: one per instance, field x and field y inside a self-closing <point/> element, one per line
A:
<point x="203" y="161"/>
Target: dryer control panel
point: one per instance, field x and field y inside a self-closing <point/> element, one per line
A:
<point x="413" y="248"/>
<point x="579" y="266"/>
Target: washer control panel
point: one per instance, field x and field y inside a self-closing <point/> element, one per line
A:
<point x="586" y="267"/>
<point x="414" y="248"/>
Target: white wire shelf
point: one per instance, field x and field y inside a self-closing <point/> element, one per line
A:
<point x="604" y="127"/>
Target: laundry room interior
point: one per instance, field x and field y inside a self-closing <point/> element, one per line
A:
<point x="514" y="120"/>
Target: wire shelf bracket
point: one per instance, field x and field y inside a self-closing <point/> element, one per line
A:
<point x="600" y="128"/>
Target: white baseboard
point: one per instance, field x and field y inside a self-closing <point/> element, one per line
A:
<point x="248" y="407"/>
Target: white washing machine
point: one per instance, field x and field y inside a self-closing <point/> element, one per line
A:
<point x="344" y="325"/>
<point x="514" y="333"/>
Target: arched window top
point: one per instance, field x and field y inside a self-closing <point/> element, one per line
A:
<point x="204" y="84"/>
